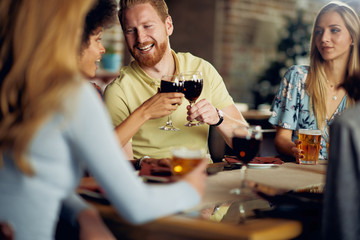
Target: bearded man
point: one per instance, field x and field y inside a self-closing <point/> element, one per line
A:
<point x="136" y="106"/>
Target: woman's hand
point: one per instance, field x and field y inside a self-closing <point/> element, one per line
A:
<point x="161" y="104"/>
<point x="297" y="152"/>
<point x="284" y="144"/>
<point x="197" y="177"/>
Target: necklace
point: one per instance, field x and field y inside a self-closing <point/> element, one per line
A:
<point x="334" y="97"/>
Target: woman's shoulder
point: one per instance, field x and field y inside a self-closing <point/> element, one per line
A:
<point x="299" y="69"/>
<point x="296" y="73"/>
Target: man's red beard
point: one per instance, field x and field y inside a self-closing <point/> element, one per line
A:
<point x="149" y="60"/>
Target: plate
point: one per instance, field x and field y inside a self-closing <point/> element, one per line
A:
<point x="157" y="179"/>
<point x="260" y="165"/>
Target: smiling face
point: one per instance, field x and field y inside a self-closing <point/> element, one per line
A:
<point x="91" y="54"/>
<point x="332" y="38"/>
<point x="145" y="34"/>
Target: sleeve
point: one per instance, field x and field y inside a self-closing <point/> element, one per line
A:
<point x="219" y="93"/>
<point x="285" y="107"/>
<point x="115" y="103"/>
<point x="341" y="215"/>
<point x="96" y="143"/>
<point x="71" y="207"/>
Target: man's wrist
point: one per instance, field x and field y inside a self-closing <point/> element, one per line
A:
<point x="221" y="118"/>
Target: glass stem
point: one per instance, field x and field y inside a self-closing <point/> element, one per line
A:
<point x="191" y="105"/>
<point x="243" y="177"/>
<point x="169" y="121"/>
<point x="242" y="213"/>
<point x="243" y="190"/>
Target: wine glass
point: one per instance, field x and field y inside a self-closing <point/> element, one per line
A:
<point x="170" y="83"/>
<point x="246" y="145"/>
<point x="193" y="84"/>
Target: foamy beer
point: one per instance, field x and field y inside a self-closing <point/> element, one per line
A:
<point x="310" y="144"/>
<point x="185" y="159"/>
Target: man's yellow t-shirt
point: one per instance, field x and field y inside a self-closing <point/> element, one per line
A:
<point x="134" y="86"/>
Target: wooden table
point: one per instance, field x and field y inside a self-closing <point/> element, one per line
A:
<point x="198" y="223"/>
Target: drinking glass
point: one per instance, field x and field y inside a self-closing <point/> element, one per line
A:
<point x="310" y="144"/>
<point x="170" y="83"/>
<point x="193" y="84"/>
<point x="246" y="145"/>
<point x="184" y="159"/>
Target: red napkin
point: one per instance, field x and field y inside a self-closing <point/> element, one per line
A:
<point x="156" y="168"/>
<point x="258" y="160"/>
<point x="151" y="169"/>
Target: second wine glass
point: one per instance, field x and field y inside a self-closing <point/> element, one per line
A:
<point x="246" y="145"/>
<point x="170" y="83"/>
<point x="193" y="85"/>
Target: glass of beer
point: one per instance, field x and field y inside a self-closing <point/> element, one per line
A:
<point x="185" y="159"/>
<point x="310" y="144"/>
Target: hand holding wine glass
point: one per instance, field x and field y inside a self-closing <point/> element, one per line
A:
<point x="170" y="83"/>
<point x="193" y="84"/>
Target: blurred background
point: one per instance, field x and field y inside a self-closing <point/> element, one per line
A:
<point x="250" y="42"/>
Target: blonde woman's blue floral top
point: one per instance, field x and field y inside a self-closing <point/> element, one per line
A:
<point x="291" y="106"/>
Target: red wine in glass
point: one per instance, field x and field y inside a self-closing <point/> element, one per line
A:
<point x="166" y="86"/>
<point x="246" y="148"/>
<point x="246" y="145"/>
<point x="170" y="83"/>
<point x="192" y="89"/>
<point x="193" y="85"/>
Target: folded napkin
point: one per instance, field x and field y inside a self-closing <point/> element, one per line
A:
<point x="156" y="168"/>
<point x="256" y="160"/>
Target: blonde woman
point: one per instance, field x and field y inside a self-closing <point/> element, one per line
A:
<point x="311" y="96"/>
<point x="53" y="125"/>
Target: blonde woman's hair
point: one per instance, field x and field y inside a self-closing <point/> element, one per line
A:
<point x="39" y="46"/>
<point x="316" y="79"/>
<point x="159" y="5"/>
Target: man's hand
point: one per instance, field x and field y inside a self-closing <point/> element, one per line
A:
<point x="203" y="111"/>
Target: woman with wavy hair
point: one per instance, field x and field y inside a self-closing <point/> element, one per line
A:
<point x="53" y="126"/>
<point x="310" y="97"/>
<point x="102" y="16"/>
